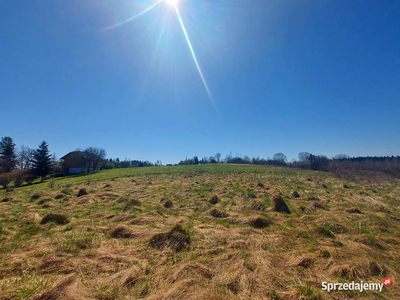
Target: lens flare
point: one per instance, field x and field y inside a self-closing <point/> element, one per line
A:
<point x="172" y="2"/>
<point x="134" y="17"/>
<point x="195" y="60"/>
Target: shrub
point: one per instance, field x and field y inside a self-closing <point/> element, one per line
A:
<point x="6" y="179"/>
<point x="20" y="176"/>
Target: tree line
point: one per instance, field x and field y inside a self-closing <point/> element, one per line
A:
<point x="26" y="164"/>
<point x="307" y="161"/>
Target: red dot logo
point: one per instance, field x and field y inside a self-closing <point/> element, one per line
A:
<point x="387" y="281"/>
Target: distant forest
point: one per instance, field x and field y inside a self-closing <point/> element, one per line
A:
<point x="19" y="165"/>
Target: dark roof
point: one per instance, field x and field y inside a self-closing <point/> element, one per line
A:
<point x="80" y="153"/>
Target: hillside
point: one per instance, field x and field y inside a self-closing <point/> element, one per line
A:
<point x="199" y="232"/>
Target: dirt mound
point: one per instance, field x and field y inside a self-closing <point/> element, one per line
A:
<point x="166" y="203"/>
<point x="177" y="239"/>
<point x="279" y="205"/>
<point x="56" y="218"/>
<point x="214" y="200"/>
<point x="121" y="232"/>
<point x="354" y="210"/>
<point x="59" y="196"/>
<point x="256" y="205"/>
<point x="258" y="222"/>
<point x="260" y="185"/>
<point x="36" y="196"/>
<point x="82" y="192"/>
<point x="218" y="213"/>
<point x="295" y="194"/>
<point x="43" y="201"/>
<point x="7" y="200"/>
<point x="316" y="205"/>
<point x="65" y="191"/>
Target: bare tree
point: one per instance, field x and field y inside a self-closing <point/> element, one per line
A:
<point x="24" y="158"/>
<point x="304" y="159"/>
<point x="218" y="157"/>
<point x="279" y="158"/>
<point x="94" y="156"/>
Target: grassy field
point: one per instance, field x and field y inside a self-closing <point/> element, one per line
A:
<point x="198" y="232"/>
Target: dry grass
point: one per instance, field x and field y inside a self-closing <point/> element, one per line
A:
<point x="123" y="241"/>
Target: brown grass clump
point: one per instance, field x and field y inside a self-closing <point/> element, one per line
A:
<point x="58" y="291"/>
<point x="43" y="201"/>
<point x="214" y="199"/>
<point x="218" y="213"/>
<point x="316" y="205"/>
<point x="59" y="196"/>
<point x="121" y="232"/>
<point x="166" y="203"/>
<point x="259" y="222"/>
<point x="260" y="185"/>
<point x="324" y="232"/>
<point x="192" y="270"/>
<point x="295" y="194"/>
<point x="312" y="198"/>
<point x="65" y="191"/>
<point x="256" y="205"/>
<point x="35" y="196"/>
<point x="56" y="218"/>
<point x="304" y="262"/>
<point x="360" y="270"/>
<point x="279" y="205"/>
<point x="53" y="264"/>
<point x="354" y="210"/>
<point x="372" y="242"/>
<point x="7" y="200"/>
<point x="177" y="239"/>
<point x="82" y="192"/>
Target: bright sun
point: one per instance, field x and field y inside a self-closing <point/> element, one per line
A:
<point x="172" y="2"/>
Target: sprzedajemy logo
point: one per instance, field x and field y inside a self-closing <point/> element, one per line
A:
<point x="356" y="286"/>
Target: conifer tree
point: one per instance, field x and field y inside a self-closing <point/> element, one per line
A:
<point x="41" y="164"/>
<point x="7" y="155"/>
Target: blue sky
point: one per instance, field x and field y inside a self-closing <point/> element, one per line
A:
<point x="286" y="76"/>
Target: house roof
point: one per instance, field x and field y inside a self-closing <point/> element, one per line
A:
<point x="78" y="153"/>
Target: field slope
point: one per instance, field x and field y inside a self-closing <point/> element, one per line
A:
<point x="199" y="232"/>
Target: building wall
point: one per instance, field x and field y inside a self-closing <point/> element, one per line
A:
<point x="79" y="170"/>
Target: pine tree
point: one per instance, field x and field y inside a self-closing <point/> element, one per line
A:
<point x="42" y="161"/>
<point x="7" y="155"/>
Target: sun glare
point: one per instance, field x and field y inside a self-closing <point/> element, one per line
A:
<point x="172" y="2"/>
